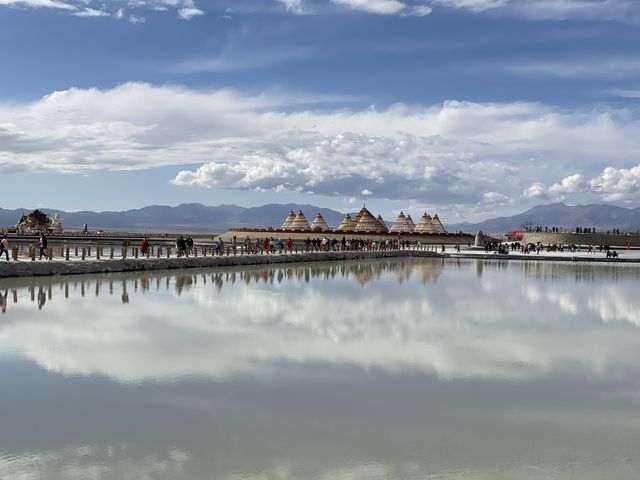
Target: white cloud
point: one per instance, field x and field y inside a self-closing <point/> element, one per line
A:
<point x="294" y="6"/>
<point x="618" y="10"/>
<point x="366" y="192"/>
<point x="386" y="7"/>
<point x="618" y="185"/>
<point x="91" y="12"/>
<point x="490" y="198"/>
<point x="536" y="190"/>
<point x="449" y="153"/>
<point x="189" y="10"/>
<point x="185" y="9"/>
<point x="39" y="4"/>
<point x="189" y="13"/>
<point x="135" y="19"/>
<point x="473" y="5"/>
<point x="382" y="7"/>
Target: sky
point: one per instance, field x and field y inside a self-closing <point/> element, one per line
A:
<point x="471" y="109"/>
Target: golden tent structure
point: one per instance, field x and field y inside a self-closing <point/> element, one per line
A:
<point x="424" y="225"/>
<point x="300" y="223"/>
<point x="366" y="222"/>
<point x="412" y="225"/>
<point x="437" y="225"/>
<point x="359" y="215"/>
<point x="287" y="225"/>
<point x="348" y="224"/>
<point x="319" y="224"/>
<point x="383" y="225"/>
<point x="401" y="225"/>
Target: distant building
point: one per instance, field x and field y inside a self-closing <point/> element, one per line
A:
<point x="38" y="221"/>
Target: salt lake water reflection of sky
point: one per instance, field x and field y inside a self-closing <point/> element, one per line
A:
<point x="394" y="369"/>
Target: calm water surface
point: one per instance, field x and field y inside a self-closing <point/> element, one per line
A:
<point x="404" y="369"/>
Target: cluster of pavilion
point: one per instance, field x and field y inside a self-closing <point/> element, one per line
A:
<point x="365" y="222"/>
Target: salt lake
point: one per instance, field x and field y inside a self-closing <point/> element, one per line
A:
<point x="381" y="369"/>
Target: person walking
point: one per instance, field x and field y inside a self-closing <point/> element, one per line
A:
<point x="144" y="246"/>
<point x="42" y="244"/>
<point x="4" y="246"/>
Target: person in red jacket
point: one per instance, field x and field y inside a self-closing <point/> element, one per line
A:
<point x="144" y="246"/>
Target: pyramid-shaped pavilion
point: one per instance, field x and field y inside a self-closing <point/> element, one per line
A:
<point x="289" y="221"/>
<point x="437" y="225"/>
<point x="383" y="225"/>
<point x="347" y="225"/>
<point x="319" y="224"/>
<point x="412" y="225"/>
<point x="424" y="225"/>
<point x="366" y="222"/>
<point x="300" y="222"/>
<point x="401" y="225"/>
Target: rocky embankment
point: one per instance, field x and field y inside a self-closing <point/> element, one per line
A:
<point x="45" y="268"/>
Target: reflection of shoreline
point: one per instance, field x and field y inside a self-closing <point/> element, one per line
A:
<point x="253" y="321"/>
<point x="41" y="289"/>
<point x="128" y="285"/>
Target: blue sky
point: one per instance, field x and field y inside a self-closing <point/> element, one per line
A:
<point x="468" y="108"/>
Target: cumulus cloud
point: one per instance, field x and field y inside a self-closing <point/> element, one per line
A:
<point x="451" y="152"/>
<point x="189" y="10"/>
<point x="618" y="185"/>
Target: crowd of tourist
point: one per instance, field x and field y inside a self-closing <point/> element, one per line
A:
<point x="528" y="248"/>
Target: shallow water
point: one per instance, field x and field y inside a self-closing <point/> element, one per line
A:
<point x="400" y="369"/>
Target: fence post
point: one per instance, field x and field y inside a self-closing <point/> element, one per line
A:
<point x="124" y="252"/>
<point x="159" y="251"/>
<point x="195" y="251"/>
<point x="83" y="253"/>
<point x="76" y="251"/>
<point x="50" y="253"/>
<point x="97" y="253"/>
<point x="168" y="252"/>
<point x="32" y="253"/>
<point x="135" y="252"/>
<point x="66" y="254"/>
<point x="14" y="253"/>
<point x="111" y="252"/>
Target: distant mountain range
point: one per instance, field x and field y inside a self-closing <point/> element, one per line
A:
<point x="603" y="217"/>
<point x="188" y="217"/>
<point x="195" y="217"/>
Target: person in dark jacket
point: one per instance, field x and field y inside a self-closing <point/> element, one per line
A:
<point x="42" y="244"/>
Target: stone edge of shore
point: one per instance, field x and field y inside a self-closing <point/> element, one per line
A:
<point x="37" y="269"/>
<point x="44" y="268"/>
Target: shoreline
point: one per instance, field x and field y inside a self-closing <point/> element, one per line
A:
<point x="16" y="269"/>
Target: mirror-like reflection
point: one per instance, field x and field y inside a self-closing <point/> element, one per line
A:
<point x="356" y="370"/>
